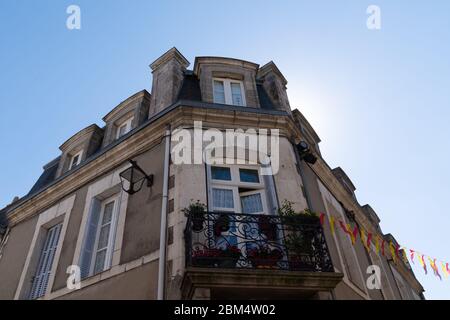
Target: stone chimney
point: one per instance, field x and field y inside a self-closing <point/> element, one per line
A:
<point x="274" y="83"/>
<point x="168" y="74"/>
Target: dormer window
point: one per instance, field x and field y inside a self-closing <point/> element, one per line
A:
<point x="228" y="91"/>
<point x="75" y="160"/>
<point x="124" y="128"/>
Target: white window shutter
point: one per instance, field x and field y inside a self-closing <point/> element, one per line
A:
<point x="89" y="239"/>
<point x="42" y="275"/>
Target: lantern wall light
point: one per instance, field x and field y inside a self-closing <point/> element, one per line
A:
<point x="135" y="177"/>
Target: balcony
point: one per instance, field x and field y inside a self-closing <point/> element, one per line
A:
<point x="287" y="255"/>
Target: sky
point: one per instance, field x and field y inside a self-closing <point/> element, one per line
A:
<point x="378" y="99"/>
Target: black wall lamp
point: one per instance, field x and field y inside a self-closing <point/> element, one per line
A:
<point x="305" y="153"/>
<point x="136" y="177"/>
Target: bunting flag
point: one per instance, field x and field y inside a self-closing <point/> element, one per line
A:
<point x="322" y="218"/>
<point x="422" y="262"/>
<point x="405" y="256"/>
<point x="369" y="241"/>
<point x="434" y="267"/>
<point x="412" y="255"/>
<point x="444" y="270"/>
<point x="332" y="224"/>
<point x="393" y="251"/>
<point x="362" y="234"/>
<point x="397" y="252"/>
<point x="377" y="244"/>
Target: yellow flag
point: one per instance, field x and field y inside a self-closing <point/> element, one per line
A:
<point x="444" y="270"/>
<point x="405" y="256"/>
<point x="392" y="249"/>
<point x="377" y="244"/>
<point x="332" y="224"/>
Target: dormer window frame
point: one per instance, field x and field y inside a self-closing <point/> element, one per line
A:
<point x="75" y="160"/>
<point x="128" y="126"/>
<point x="228" y="92"/>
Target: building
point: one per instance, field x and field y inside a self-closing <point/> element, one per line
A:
<point x="80" y="214"/>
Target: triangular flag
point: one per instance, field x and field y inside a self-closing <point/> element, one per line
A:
<point x="434" y="267"/>
<point x="444" y="270"/>
<point x="412" y="255"/>
<point x="422" y="262"/>
<point x="377" y="244"/>
<point x="369" y="241"/>
<point x="332" y="224"/>
<point x="382" y="247"/>
<point x="393" y="253"/>
<point x="322" y="218"/>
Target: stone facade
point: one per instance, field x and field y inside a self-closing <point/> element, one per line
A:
<point x="74" y="197"/>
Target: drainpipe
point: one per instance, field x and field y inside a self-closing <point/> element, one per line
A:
<point x="163" y="233"/>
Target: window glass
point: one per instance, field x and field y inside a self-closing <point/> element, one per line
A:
<point x="219" y="173"/>
<point x="223" y="198"/>
<point x="248" y="175"/>
<point x="236" y="94"/>
<point x="219" y="92"/>
<point x="252" y="203"/>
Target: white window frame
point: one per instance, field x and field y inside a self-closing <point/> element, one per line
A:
<point x="127" y="124"/>
<point x="234" y="184"/>
<point x="47" y="219"/>
<point x="72" y="162"/>
<point x="227" y="90"/>
<point x="111" y="236"/>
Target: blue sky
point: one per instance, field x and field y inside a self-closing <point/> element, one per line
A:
<point x="379" y="100"/>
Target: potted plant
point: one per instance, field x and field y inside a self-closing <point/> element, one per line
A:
<point x="299" y="236"/>
<point x="205" y="257"/>
<point x="229" y="257"/>
<point x="222" y="224"/>
<point x="264" y="257"/>
<point x="196" y="211"/>
<point x="267" y="228"/>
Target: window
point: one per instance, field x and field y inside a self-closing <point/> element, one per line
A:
<point x="237" y="189"/>
<point x="100" y="237"/>
<point x="220" y="173"/>
<point x="247" y="175"/>
<point x="46" y="257"/>
<point x="75" y="160"/>
<point x="124" y="128"/>
<point x="227" y="91"/>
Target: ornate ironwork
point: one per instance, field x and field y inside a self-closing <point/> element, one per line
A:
<point x="235" y="240"/>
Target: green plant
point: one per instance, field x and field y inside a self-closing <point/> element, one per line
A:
<point x="298" y="239"/>
<point x="196" y="211"/>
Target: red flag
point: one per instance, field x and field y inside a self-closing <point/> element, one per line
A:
<point x="322" y="218"/>
<point x="369" y="240"/>
<point x="448" y="269"/>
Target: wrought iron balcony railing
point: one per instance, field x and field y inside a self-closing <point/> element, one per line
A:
<point x="235" y="240"/>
